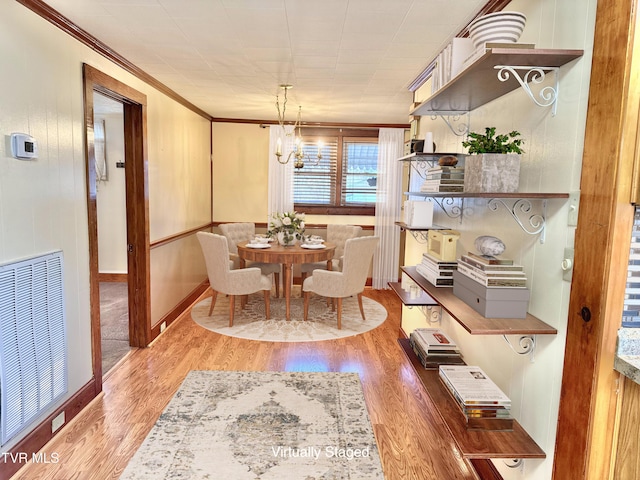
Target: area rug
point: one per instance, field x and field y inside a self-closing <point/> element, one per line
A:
<point x="259" y="426"/>
<point x="322" y="324"/>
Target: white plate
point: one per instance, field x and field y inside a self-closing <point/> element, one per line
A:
<point x="258" y="245"/>
<point x="312" y="246"/>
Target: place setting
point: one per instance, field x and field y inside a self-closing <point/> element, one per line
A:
<point x="260" y="241"/>
<point x="313" y="242"/>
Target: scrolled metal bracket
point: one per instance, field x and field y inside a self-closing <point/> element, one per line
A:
<point x="534" y="75"/>
<point x="450" y="207"/>
<point x="420" y="236"/>
<point x="526" y="345"/>
<point x="459" y="130"/>
<point x="433" y="313"/>
<point x="533" y="225"/>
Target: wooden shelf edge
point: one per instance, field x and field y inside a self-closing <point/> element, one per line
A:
<point x="404" y="226"/>
<point x="472" y="321"/>
<point x="424" y="300"/>
<point x="473" y="444"/>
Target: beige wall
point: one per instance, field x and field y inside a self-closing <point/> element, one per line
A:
<point x="552" y="163"/>
<point x="43" y="202"/>
<point x="240" y="177"/>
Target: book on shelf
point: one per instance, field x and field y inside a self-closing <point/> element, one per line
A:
<point x="435" y="339"/>
<point x="490" y="267"/>
<point x="472" y="386"/>
<point x="441" y="188"/>
<point x="489" y="260"/>
<point x="520" y="282"/>
<point x="434" y="348"/>
<point x="444" y="181"/>
<point x="444" y="176"/>
<point x="433" y="278"/>
<point x="486" y="274"/>
<point x="437" y="264"/>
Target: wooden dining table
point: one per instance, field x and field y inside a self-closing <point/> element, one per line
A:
<point x="287" y="256"/>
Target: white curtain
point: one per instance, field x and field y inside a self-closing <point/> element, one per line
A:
<point x="388" y="202"/>
<point x="280" y="197"/>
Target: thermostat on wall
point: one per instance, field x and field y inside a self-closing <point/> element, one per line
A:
<point x="23" y="146"/>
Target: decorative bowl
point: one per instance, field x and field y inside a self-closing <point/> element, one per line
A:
<point x="503" y="27"/>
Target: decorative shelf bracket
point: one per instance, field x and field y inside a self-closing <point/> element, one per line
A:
<point x="421" y="166"/>
<point x="450" y="207"/>
<point x="526" y="346"/>
<point x="459" y="130"/>
<point x="548" y="96"/>
<point x="421" y="236"/>
<point x="533" y="225"/>
<point x="433" y="313"/>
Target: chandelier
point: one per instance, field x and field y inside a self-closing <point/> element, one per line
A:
<point x="297" y="154"/>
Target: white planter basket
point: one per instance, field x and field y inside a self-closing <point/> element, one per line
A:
<point x="492" y="173"/>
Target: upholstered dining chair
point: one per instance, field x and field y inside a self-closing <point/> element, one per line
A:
<point x="358" y="253"/>
<point x="241" y="232"/>
<point x="338" y="235"/>
<point x="225" y="280"/>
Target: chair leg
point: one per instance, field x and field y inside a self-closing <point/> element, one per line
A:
<point x="303" y="275"/>
<point x="360" y="305"/>
<point x="306" y="305"/>
<point x="267" y="304"/>
<point x="214" y="296"/>
<point x="339" y="313"/>
<point x="276" y="278"/>
<point x="232" y="306"/>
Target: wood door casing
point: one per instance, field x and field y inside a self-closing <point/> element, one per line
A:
<point x="137" y="211"/>
<point x="585" y="442"/>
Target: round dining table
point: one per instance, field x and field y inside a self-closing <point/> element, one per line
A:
<point x="287" y="256"/>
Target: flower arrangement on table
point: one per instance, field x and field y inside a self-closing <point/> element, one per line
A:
<point x="287" y="227"/>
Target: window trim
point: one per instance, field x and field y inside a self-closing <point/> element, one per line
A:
<point x="336" y="209"/>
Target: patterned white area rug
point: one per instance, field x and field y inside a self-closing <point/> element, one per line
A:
<point x="322" y="324"/>
<point x="259" y="426"/>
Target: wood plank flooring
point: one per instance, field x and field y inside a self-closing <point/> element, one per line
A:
<point x="413" y="442"/>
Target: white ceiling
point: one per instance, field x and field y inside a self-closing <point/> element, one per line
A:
<point x="348" y="60"/>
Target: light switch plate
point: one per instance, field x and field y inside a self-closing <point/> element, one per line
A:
<point x="574" y="202"/>
<point x="567" y="265"/>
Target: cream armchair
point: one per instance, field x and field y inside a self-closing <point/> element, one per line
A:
<point x="223" y="279"/>
<point x="358" y="253"/>
<point x="242" y="232"/>
<point x="338" y="235"/>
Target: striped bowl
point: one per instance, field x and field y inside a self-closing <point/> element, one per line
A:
<point x="497" y="27"/>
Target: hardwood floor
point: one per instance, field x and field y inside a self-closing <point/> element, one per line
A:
<point x="412" y="440"/>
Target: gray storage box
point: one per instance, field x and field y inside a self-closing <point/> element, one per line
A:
<point x="491" y="302"/>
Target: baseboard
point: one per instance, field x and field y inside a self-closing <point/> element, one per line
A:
<point x="26" y="451"/>
<point x="178" y="310"/>
<point x="113" y="277"/>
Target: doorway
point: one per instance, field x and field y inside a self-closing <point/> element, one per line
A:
<point x="135" y="264"/>
<point x="108" y="140"/>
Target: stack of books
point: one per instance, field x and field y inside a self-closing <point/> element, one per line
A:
<point x="434" y="348"/>
<point x="437" y="272"/>
<point x="491" y="271"/>
<point x="483" y="404"/>
<point x="443" y="179"/>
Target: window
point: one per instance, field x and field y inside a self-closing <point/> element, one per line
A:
<point x="344" y="181"/>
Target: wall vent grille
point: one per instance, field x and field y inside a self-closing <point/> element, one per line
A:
<point x="33" y="346"/>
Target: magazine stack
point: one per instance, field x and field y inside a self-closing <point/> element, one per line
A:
<point x="483" y="404"/>
<point x="441" y="179"/>
<point x="492" y="271"/>
<point x="437" y="272"/>
<point x="434" y="348"/>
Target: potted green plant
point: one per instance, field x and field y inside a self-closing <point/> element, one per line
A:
<point x="494" y="161"/>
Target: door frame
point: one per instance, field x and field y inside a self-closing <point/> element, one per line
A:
<point x="137" y="211"/>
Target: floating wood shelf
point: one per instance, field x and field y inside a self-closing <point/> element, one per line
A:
<point x="473" y="444"/>
<point x="422" y="300"/>
<point x="478" y="84"/>
<point x="472" y="321"/>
